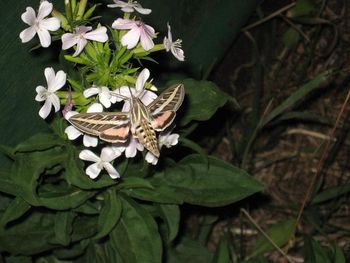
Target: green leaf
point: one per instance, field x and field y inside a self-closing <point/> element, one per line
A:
<point x="303" y="8"/>
<point x="39" y="142"/>
<point x="199" y="93"/>
<point x="63" y="227"/>
<point x="331" y="193"/>
<point x="110" y="214"/>
<point x="171" y="216"/>
<point x="73" y="251"/>
<point x="18" y="259"/>
<point x="314" y="253"/>
<point x="291" y="38"/>
<point x="212" y="184"/>
<point x="6" y="184"/>
<point x="222" y="254"/>
<point x="279" y="233"/>
<point x="16" y="209"/>
<point x="134" y="182"/>
<point x="339" y="256"/>
<point x="136" y="235"/>
<point x="305" y="116"/>
<point x="193" y="146"/>
<point x="297" y="96"/>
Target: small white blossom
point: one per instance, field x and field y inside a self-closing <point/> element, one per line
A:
<point x="174" y="47"/>
<point x="38" y="24"/>
<point x="54" y="83"/>
<point x="105" y="96"/>
<point x="144" y="95"/>
<point x="166" y="140"/>
<point x="130" y="7"/>
<point x="73" y="133"/>
<point x="81" y="36"/>
<point x="139" y="31"/>
<point x="130" y="148"/>
<point x="108" y="154"/>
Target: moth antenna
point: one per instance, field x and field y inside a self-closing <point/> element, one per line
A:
<point x="119" y="96"/>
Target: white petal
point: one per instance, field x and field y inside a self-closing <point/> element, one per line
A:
<point x="170" y="36"/>
<point x="95" y="107"/>
<point x="144" y="11"/>
<point x="41" y="96"/>
<point x="147" y="97"/>
<point x="50" y="77"/>
<point x="141" y="80"/>
<point x="126" y="106"/>
<point x="51" y="24"/>
<point x="90" y="141"/>
<point x="99" y="34"/>
<point x="121" y="23"/>
<point x="69" y="40"/>
<point x="178" y="53"/>
<point x="44" y="37"/>
<point x="104" y="98"/>
<point x="113" y="173"/>
<point x="108" y="154"/>
<point x="45" y="9"/>
<point x="146" y="40"/>
<point x="171" y="140"/>
<point x="81" y="30"/>
<point x="124" y="91"/>
<point x="45" y="109"/>
<point x="72" y="132"/>
<point x="27" y="34"/>
<point x="88" y="155"/>
<point x="93" y="170"/>
<point x="131" y="38"/>
<point x="28" y="16"/>
<point x="70" y="114"/>
<point x="150" y="158"/>
<point x="91" y="91"/>
<point x="55" y="101"/>
<point x="80" y="46"/>
<point x="128" y="9"/>
<point x="60" y="80"/>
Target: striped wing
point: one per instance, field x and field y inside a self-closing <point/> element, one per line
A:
<point x="109" y="126"/>
<point x="163" y="108"/>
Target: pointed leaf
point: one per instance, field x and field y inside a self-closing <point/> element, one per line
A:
<point x="63" y="227"/>
<point x="16" y="209"/>
<point x="39" y="142"/>
<point x="171" y="216"/>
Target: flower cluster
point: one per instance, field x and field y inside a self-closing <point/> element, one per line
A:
<point x="104" y="60"/>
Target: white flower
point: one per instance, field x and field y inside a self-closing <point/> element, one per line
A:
<point x="39" y="25"/>
<point x="130" y="148"/>
<point x="174" y="47"/>
<point x="81" y="35"/>
<point x="108" y="154"/>
<point x="54" y="83"/>
<point x="165" y="139"/>
<point x="130" y="7"/>
<point x="105" y="96"/>
<point x="73" y="133"/>
<point x="145" y="96"/>
<point x="138" y="31"/>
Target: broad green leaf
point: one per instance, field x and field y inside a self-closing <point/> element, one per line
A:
<point x="314" y="252"/>
<point x="110" y="213"/>
<point x="198" y="94"/>
<point x="193" y="146"/>
<point x="279" y="233"/>
<point x="134" y="182"/>
<point x="88" y="208"/>
<point x="16" y="209"/>
<point x="63" y="227"/>
<point x="71" y="252"/>
<point x="171" y="216"/>
<point x="212" y="184"/>
<point x="136" y="235"/>
<point x="188" y="250"/>
<point x="331" y="193"/>
<point x="18" y="259"/>
<point x="39" y="142"/>
<point x="297" y="96"/>
<point x="222" y="254"/>
<point x="84" y="227"/>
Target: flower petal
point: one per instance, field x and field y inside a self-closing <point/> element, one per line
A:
<point x="50" y="77"/>
<point x="60" y="80"/>
<point x="69" y="40"/>
<point x="80" y="46"/>
<point x="70" y="114"/>
<point x="28" y="16"/>
<point x="95" y="107"/>
<point x="55" y="101"/>
<point x="44" y="37"/>
<point x="93" y="170"/>
<point x="126" y="106"/>
<point x="113" y="173"/>
<point x="141" y="10"/>
<point x="150" y="158"/>
<point x="41" y="93"/>
<point x="51" y="24"/>
<point x="99" y="34"/>
<point x="45" y="109"/>
<point x="72" y="133"/>
<point x="82" y="30"/>
<point x="27" y="34"/>
<point x="123" y="24"/>
<point x="90" y="141"/>
<point x="91" y="91"/>
<point x="88" y="155"/>
<point x="146" y="40"/>
<point x="131" y="38"/>
<point x="108" y="154"/>
<point x="45" y="9"/>
<point x="147" y="97"/>
<point x="141" y="80"/>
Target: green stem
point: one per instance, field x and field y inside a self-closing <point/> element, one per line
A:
<point x="156" y="48"/>
<point x="81" y="9"/>
<point x="62" y="18"/>
<point x="68" y="9"/>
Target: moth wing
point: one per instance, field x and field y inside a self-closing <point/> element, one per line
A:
<point x="163" y="108"/>
<point x="109" y="126"/>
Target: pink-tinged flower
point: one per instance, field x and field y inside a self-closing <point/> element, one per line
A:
<point x="38" y="24"/>
<point x="73" y="133"/>
<point x="139" y="31"/>
<point x="103" y="162"/>
<point x="81" y="36"/>
<point x="105" y="96"/>
<point x="166" y="140"/>
<point x="144" y="95"/>
<point x="174" y="47"/>
<point x="130" y="7"/>
<point x="54" y="83"/>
